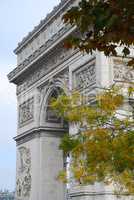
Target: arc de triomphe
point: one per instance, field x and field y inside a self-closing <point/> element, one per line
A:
<point x="44" y="66"/>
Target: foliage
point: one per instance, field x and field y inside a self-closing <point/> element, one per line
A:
<point x="103" y="148"/>
<point x="103" y="25"/>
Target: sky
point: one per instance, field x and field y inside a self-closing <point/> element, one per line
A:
<point x="17" y="18"/>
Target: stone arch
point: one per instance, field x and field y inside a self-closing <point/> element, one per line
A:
<point x="51" y="116"/>
<point x="54" y="87"/>
<point x="50" y="138"/>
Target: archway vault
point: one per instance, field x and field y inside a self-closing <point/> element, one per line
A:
<point x="47" y="117"/>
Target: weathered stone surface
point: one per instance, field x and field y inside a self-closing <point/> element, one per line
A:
<point x="122" y="72"/>
<point x="26" y="112"/>
<point x="23" y="182"/>
<point x="44" y="66"/>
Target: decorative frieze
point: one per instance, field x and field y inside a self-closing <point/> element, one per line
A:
<point x="46" y="65"/>
<point x="26" y="112"/>
<point x="23" y="183"/>
<point x="122" y="72"/>
<point x="85" y="76"/>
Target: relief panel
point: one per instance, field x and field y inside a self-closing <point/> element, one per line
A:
<point x="26" y="112"/>
<point x="121" y="71"/>
<point x="23" y="182"/>
<point x="85" y="76"/>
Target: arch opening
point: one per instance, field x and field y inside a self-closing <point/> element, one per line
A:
<point x="51" y="115"/>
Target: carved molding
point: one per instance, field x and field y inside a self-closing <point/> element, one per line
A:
<point x="23" y="182"/>
<point x="60" y="80"/>
<point x="46" y="66"/>
<point x="85" y="76"/>
<point x="36" y="54"/>
<point x="26" y="112"/>
<point x="40" y="132"/>
<point x="48" y="36"/>
<point x="121" y="71"/>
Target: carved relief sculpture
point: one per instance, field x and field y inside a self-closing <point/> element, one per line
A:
<point x="85" y="76"/>
<point x="26" y="111"/>
<point x="121" y="71"/>
<point x="48" y="64"/>
<point x="23" y="184"/>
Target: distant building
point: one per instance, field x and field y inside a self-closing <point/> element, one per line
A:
<point x="6" y="195"/>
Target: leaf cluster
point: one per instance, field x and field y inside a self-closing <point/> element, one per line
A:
<point x="104" y="25"/>
<point x="103" y="148"/>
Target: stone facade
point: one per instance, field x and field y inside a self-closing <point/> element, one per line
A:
<point x="44" y="68"/>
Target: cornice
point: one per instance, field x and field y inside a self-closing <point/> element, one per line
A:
<point x="93" y="194"/>
<point x="39" y="132"/>
<point x="44" y="49"/>
<point x="43" y="24"/>
<point x="47" y="68"/>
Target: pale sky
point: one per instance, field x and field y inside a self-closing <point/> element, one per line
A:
<point x="17" y="18"/>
